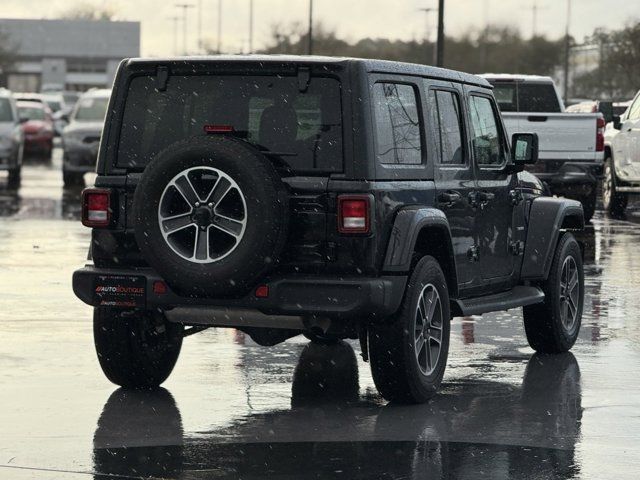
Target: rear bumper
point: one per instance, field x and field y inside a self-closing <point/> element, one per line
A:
<point x="332" y="297"/>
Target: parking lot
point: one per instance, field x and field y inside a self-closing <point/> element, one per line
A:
<point x="233" y="409"/>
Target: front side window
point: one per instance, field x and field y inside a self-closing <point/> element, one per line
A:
<point x="634" y="110"/>
<point x="397" y="124"/>
<point x="488" y="148"/>
<point x="445" y="115"/>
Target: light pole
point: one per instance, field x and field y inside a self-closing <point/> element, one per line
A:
<point x="250" y="26"/>
<point x="219" y="48"/>
<point x="440" y="49"/>
<point x="427" y="11"/>
<point x="567" y="47"/>
<point x="185" y="7"/>
<point x="175" y="20"/>
<point x="310" y="45"/>
<point x="200" y="46"/>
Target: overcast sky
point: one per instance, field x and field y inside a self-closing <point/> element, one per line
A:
<point x="351" y="19"/>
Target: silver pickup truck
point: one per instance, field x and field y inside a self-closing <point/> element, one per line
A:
<point x="571" y="144"/>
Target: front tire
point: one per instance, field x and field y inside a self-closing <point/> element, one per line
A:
<point x="409" y="355"/>
<point x="614" y="202"/>
<point x="589" y="205"/>
<point x="553" y="326"/>
<point x="136" y="349"/>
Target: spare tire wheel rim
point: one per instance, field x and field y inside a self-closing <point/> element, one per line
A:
<point x="202" y="214"/>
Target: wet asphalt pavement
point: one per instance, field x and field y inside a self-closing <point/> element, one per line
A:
<point x="232" y="409"/>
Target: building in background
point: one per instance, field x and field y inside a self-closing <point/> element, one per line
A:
<point x="67" y="54"/>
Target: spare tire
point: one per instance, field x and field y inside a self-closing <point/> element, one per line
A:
<point x="211" y="216"/>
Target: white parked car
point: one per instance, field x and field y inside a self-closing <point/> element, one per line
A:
<point x="622" y="163"/>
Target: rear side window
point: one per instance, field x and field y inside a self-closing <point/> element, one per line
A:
<point x="397" y="124"/>
<point x="302" y="131"/>
<point x="486" y="140"/>
<point x="6" y="114"/>
<point x="526" y="97"/>
<point x="445" y="116"/>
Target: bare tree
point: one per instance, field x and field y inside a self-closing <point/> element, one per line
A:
<point x="617" y="74"/>
<point x="87" y="11"/>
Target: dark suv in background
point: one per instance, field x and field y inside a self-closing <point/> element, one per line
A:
<point x="336" y="198"/>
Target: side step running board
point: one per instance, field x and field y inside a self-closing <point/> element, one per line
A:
<point x="517" y="297"/>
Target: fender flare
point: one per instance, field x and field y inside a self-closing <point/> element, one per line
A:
<point x="548" y="217"/>
<point x="408" y="224"/>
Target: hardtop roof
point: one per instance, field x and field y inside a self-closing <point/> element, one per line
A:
<point x="371" y="65"/>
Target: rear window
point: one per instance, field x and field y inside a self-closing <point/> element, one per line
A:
<point x="526" y="97"/>
<point x="302" y="130"/>
<point x="32" y="113"/>
<point x="6" y="114"/>
<point x="91" y="109"/>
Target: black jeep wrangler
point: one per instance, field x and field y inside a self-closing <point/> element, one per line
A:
<point x="335" y="198"/>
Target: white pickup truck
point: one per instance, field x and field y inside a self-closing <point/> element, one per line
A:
<point x="571" y="144"/>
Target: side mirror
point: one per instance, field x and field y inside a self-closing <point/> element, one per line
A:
<point x="617" y="122"/>
<point x="23" y="120"/>
<point x="524" y="148"/>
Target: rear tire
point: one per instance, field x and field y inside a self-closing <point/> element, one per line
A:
<point x="614" y="202"/>
<point x="553" y="326"/>
<point x="401" y="374"/>
<point x="136" y="349"/>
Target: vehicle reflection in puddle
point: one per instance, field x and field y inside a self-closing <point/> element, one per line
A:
<point x="503" y="430"/>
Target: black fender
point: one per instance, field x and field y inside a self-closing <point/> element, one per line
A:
<point x="548" y="217"/>
<point x="409" y="224"/>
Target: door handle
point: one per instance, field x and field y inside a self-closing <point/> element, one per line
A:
<point x="450" y="197"/>
<point x="486" y="197"/>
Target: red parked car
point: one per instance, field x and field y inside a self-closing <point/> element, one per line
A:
<point x="37" y="125"/>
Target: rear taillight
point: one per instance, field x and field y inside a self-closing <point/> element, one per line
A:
<point x="353" y="214"/>
<point x="600" y="124"/>
<point x="96" y="207"/>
